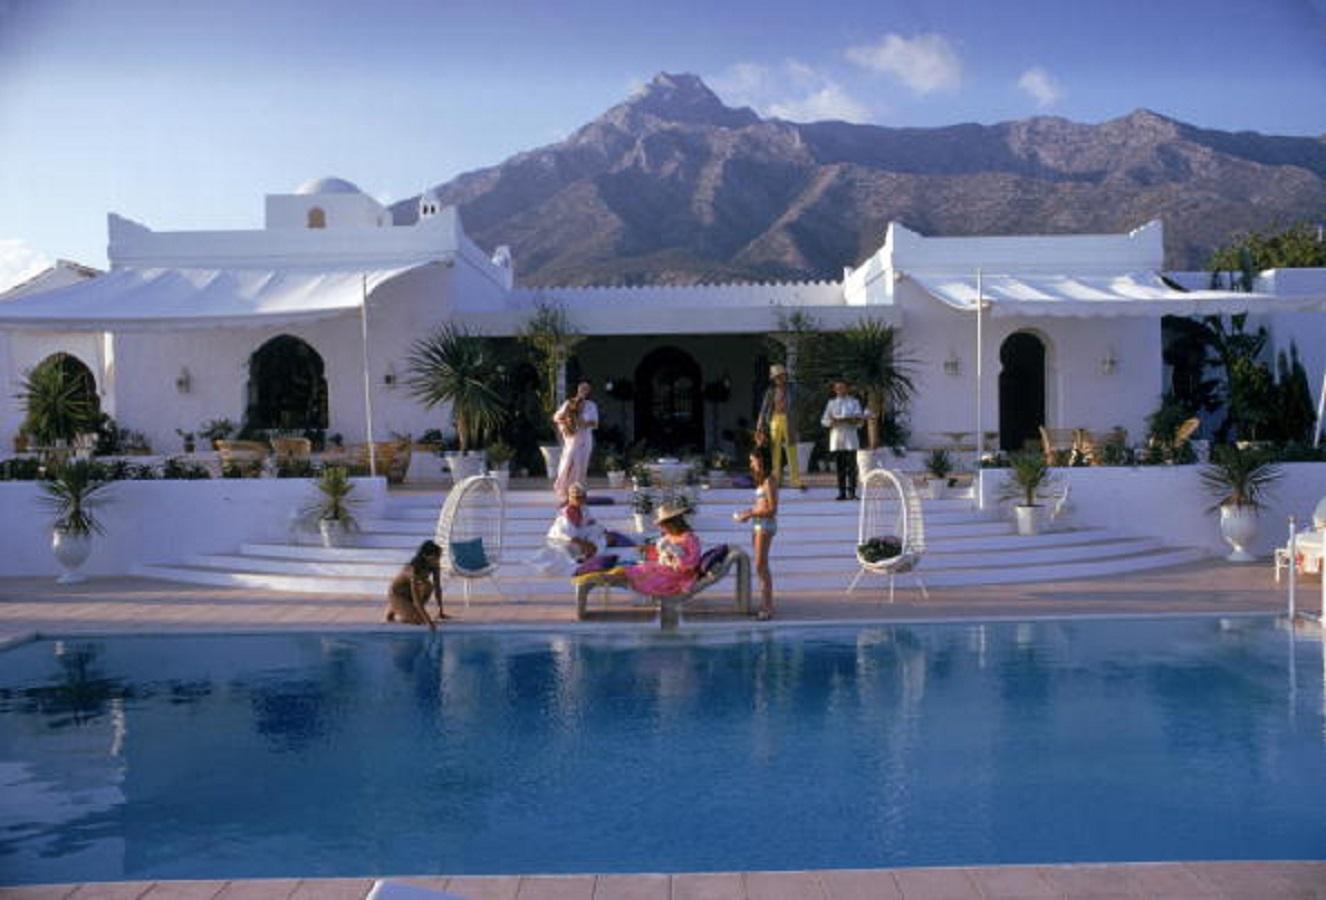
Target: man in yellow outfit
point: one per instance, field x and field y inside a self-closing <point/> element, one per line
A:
<point x="777" y="424"/>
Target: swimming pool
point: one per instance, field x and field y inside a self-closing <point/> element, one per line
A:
<point x="485" y="752"/>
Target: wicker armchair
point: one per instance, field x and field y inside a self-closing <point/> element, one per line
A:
<point x="292" y="449"/>
<point x="392" y="457"/>
<point x="245" y="455"/>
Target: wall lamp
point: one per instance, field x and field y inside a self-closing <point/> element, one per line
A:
<point x="389" y="377"/>
<point x="184" y="381"/>
<point x="952" y="365"/>
<point x="1109" y="363"/>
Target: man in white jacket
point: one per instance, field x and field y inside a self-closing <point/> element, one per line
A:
<point x="843" y="416"/>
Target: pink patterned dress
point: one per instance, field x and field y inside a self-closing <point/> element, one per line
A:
<point x="676" y="569"/>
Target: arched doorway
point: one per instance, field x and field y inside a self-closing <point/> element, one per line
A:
<point x="77" y="384"/>
<point x="669" y="406"/>
<point x="287" y="388"/>
<point x="1021" y="390"/>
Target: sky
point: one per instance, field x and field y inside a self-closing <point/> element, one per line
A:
<point x="182" y="114"/>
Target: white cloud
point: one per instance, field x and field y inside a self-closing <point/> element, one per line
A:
<point x="1041" y="86"/>
<point x="20" y="261"/>
<point x="926" y="63"/>
<point x="827" y="103"/>
<point x="793" y="90"/>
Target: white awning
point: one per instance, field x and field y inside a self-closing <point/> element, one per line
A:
<point x="1130" y="294"/>
<point x="134" y="299"/>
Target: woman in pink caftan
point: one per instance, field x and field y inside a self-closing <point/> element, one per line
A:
<point x="576" y="420"/>
<point x="677" y="561"/>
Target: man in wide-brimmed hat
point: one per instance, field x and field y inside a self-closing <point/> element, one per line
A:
<point x="777" y="424"/>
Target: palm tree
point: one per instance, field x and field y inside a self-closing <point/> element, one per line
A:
<point x="454" y="366"/>
<point x="550" y="335"/>
<point x="56" y="403"/>
<point x="870" y="356"/>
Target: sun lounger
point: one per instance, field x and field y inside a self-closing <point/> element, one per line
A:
<point x="669" y="606"/>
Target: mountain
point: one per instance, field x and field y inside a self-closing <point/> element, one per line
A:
<point x="674" y="187"/>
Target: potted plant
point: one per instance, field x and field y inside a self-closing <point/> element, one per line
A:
<point x="612" y="464"/>
<point x="1239" y="481"/>
<point x="870" y="356"/>
<point x="719" y="462"/>
<point x="333" y="510"/>
<point x="939" y="465"/>
<point x="641" y="506"/>
<point x="188" y="439"/>
<point x="458" y="368"/>
<point x="550" y="337"/>
<point x="73" y="493"/>
<point x="1028" y="476"/>
<point x="56" y="407"/>
<point x="499" y="461"/>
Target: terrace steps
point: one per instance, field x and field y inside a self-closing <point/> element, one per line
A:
<point x="814" y="551"/>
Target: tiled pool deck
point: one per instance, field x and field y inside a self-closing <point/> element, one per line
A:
<point x="30" y="605"/>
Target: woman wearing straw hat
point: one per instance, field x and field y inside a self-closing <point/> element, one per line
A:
<point x="675" y="564"/>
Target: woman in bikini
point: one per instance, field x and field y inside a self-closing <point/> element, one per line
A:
<point x="410" y="589"/>
<point x="763" y="516"/>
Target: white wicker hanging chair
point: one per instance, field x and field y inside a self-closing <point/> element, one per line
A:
<point x="474" y="510"/>
<point x="890" y="506"/>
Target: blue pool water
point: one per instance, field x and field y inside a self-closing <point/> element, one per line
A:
<point x="219" y="757"/>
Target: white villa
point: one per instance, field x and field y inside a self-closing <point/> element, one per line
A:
<point x="306" y="323"/>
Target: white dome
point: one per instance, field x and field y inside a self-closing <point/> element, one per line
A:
<point x="327" y="186"/>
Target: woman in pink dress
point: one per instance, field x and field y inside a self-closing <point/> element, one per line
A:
<point x="576" y="420"/>
<point x="677" y="561"/>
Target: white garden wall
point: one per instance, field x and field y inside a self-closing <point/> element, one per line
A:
<point x="164" y="521"/>
<point x="1169" y="503"/>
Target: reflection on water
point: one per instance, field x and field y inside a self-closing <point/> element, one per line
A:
<point x="486" y="752"/>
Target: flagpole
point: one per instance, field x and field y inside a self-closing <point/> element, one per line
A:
<point x="980" y="369"/>
<point x="368" y="381"/>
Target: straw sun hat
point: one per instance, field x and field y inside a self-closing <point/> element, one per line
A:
<point x="669" y="511"/>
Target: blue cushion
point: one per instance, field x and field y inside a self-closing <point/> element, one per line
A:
<point x="617" y="539"/>
<point x="712" y="559"/>
<point x="469" y="556"/>
<point x="598" y="563"/>
<point x="599" y="501"/>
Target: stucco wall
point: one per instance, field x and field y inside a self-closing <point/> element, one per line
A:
<point x="164" y="521"/>
<point x="1077" y="393"/>
<point x="1168" y="502"/>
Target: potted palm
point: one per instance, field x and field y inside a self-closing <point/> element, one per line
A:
<point x="718" y="466"/>
<point x="56" y="406"/>
<point x="499" y="461"/>
<point x="612" y="464"/>
<point x="550" y="337"/>
<point x="1239" y="481"/>
<point x="73" y="493"/>
<point x="641" y="506"/>
<point x="1028" y="476"/>
<point x="939" y="465"/>
<point x="332" y="512"/>
<point x="456" y="367"/>
<point x="871" y="357"/>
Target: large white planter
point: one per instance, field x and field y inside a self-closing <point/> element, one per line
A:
<point x="641" y="522"/>
<point x="552" y="455"/>
<point x="1238" y="526"/>
<point x="503" y="475"/>
<point x="717" y="478"/>
<point x="465" y="465"/>
<point x="616" y="479"/>
<point x="937" y="488"/>
<point x="71" y="551"/>
<point x="333" y="532"/>
<point x="1028" y="519"/>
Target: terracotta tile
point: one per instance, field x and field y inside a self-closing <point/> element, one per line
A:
<point x="483" y="887"/>
<point x="999" y="882"/>
<point x="556" y="887"/>
<point x="632" y="887"/>
<point x="860" y="884"/>
<point x="1248" y="879"/>
<point x="935" y="884"/>
<point x="260" y="889"/>
<point x="184" y="890"/>
<point x="1094" y="881"/>
<point x="37" y="892"/>
<point x="708" y="886"/>
<point x="112" y="890"/>
<point x="332" y="889"/>
<point x="783" y="886"/>
<point x="1169" y="880"/>
<point x="431" y="882"/>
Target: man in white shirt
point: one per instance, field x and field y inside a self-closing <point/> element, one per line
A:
<point x="843" y="416"/>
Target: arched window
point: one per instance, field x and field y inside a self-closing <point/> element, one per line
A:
<point x="317" y="218"/>
<point x="668" y="408"/>
<point x="287" y="386"/>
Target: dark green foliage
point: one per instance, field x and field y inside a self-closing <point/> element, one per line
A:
<point x="1235" y="266"/>
<point x="58" y="402"/>
<point x="456" y="367"/>
<point x="1240" y="478"/>
<point x="72" y="493"/>
<point x="175" y="468"/>
<point x="20" y="469"/>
